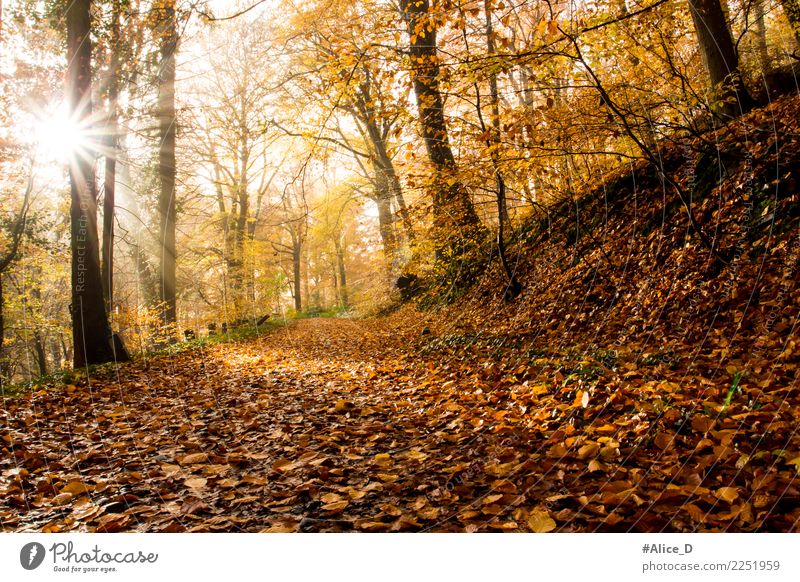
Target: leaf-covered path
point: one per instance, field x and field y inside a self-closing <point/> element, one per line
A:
<point x="342" y="425"/>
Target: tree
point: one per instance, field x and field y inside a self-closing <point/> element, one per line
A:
<point x="91" y="334"/>
<point x="792" y="10"/>
<point x="228" y="107"/>
<point x="514" y="287"/>
<point x="729" y="96"/>
<point x="295" y="225"/>
<point x="167" y="34"/>
<point x="111" y="153"/>
<point x="452" y="207"/>
<point x="16" y="230"/>
<point x="353" y="72"/>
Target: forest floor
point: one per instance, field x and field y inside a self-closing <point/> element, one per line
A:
<point x="378" y="425"/>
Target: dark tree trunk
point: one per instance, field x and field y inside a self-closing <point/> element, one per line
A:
<point x="41" y="355"/>
<point x="110" y="179"/>
<point x="91" y="334"/>
<point x="730" y="97"/>
<point x="38" y="338"/>
<point x="514" y="287"/>
<point x="452" y="205"/>
<point x="166" y="162"/>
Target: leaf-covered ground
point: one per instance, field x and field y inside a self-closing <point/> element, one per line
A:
<point x="344" y="425"/>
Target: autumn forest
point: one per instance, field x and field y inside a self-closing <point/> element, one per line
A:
<point x="399" y="265"/>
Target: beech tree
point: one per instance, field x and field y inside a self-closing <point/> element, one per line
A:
<point x="452" y="205"/>
<point x="729" y="96"/>
<point x="111" y="152"/>
<point x="91" y="333"/>
<point x="167" y="35"/>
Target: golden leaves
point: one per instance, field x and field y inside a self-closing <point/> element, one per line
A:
<point x="539" y="520"/>
<point x="727" y="494"/>
<point x="75" y="488"/>
<point x="336" y="506"/>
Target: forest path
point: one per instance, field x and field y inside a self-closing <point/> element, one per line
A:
<point x="334" y="424"/>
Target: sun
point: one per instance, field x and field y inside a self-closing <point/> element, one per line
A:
<point x="59" y="136"/>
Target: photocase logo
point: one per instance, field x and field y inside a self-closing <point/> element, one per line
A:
<point x="31" y="555"/>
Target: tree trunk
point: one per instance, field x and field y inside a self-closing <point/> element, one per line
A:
<point x="760" y="29"/>
<point x="91" y="334"/>
<point x="41" y="355"/>
<point x="343" y="295"/>
<point x="110" y="179"/>
<point x="494" y="102"/>
<point x="402" y="208"/>
<point x="729" y="96"/>
<point x="166" y="163"/>
<point x="307" y="278"/>
<point x="452" y="205"/>
<point x="382" y="164"/>
<point x="297" y="256"/>
<point x="386" y="228"/>
<point x="514" y="287"/>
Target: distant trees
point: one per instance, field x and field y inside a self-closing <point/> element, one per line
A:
<point x="345" y="73"/>
<point x="13" y="233"/>
<point x="227" y="122"/>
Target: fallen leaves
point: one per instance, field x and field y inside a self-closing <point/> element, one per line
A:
<point x="318" y="437"/>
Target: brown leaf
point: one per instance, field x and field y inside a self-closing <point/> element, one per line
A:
<point x="663" y="440"/>
<point x="727" y="494"/>
<point x="195" y="482"/>
<point x="331" y="498"/>
<point x="193" y="459"/>
<point x="336" y="506"/>
<point x="76" y="488"/>
<point x="540" y="521"/>
<point x="588" y="450"/>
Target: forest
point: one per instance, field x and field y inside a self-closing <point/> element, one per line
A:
<point x="399" y="265"/>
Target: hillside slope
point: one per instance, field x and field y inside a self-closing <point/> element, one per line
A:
<point x="620" y="270"/>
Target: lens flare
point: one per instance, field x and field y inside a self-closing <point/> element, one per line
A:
<point x="59" y="136"/>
